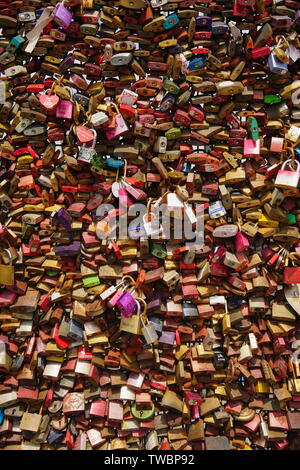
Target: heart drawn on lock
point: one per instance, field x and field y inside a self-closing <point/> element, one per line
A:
<point x="84" y="135"/>
<point x="49" y="101"/>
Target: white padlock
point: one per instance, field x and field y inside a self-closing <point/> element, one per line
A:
<point x="99" y="119"/>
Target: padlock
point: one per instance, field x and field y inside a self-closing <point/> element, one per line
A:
<point x="64" y="109"/>
<point x="62" y="16"/>
<point x="147" y="328"/>
<point x="119" y="128"/>
<point x="275" y="65"/>
<point x="288" y="179"/>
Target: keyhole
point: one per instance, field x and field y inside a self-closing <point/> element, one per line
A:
<point x="141" y="413"/>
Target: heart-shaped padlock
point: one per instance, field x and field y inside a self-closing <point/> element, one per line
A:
<point x="84" y="135"/>
<point x="48" y="101"/>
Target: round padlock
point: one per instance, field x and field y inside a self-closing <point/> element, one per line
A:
<point x="142" y="415"/>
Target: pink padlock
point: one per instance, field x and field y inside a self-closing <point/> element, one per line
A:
<point x="124" y="199"/>
<point x="64" y="109"/>
<point x="251" y="148"/>
<point x="288" y="179"/>
<point x="119" y="129"/>
<point x="195" y="412"/>
<point x="137" y="193"/>
<point x="279" y="344"/>
<point x="276" y="144"/>
<point x="62" y="16"/>
<point x="146" y="119"/>
<point x="241" y="242"/>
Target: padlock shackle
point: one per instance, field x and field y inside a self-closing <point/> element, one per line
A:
<point x="138" y="300"/>
<point x="293" y="161"/>
<point x="9" y="255"/>
<point x="132" y="281"/>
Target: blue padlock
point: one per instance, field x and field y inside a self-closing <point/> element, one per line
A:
<point x="197" y="63"/>
<point x="1" y="415"/>
<point x="55" y="436"/>
<point x="275" y="65"/>
<point x="171" y="21"/>
<point x="15" y="43"/>
<point x="114" y="163"/>
<point x="186" y="167"/>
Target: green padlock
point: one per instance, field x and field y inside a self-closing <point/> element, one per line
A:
<point x="252" y="127"/>
<point x="292" y="218"/>
<point x="173" y="133"/>
<point x="50" y="272"/>
<point x="97" y="161"/>
<point x="171" y="87"/>
<point x="91" y="281"/>
<point x="89" y="29"/>
<point x="142" y="414"/>
<point x="272" y="99"/>
<point x="158" y="250"/>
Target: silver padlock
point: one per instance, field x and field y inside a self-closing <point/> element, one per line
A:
<point x="160" y="144"/>
<point x="189" y="310"/>
<point x="121" y="59"/>
<point x="189" y="257"/>
<point x="148" y="329"/>
<point x="216" y="210"/>
<point x="26" y="16"/>
<point x="15" y="70"/>
<point x="34" y="130"/>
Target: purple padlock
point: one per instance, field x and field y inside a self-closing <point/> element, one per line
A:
<point x="127" y="304"/>
<point x="67" y="250"/>
<point x="62" y="16"/>
<point x="167" y="102"/>
<point x="64" y="218"/>
<point x="167" y="338"/>
<point x="66" y="63"/>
